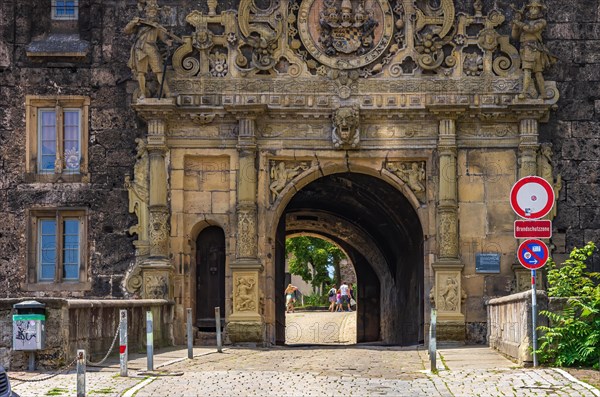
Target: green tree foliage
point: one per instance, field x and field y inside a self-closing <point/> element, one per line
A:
<point x="304" y="252"/>
<point x="573" y="337"/>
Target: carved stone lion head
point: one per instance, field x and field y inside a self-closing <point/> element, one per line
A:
<point x="346" y="122"/>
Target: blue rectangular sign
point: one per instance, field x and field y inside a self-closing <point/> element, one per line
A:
<point x="487" y="263"/>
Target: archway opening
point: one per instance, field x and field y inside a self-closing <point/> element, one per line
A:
<point x="378" y="228"/>
<point x="320" y="280"/>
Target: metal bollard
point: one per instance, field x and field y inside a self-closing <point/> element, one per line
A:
<point x="80" y="373"/>
<point x="218" y="324"/>
<point x="190" y="337"/>
<point x="432" y="340"/>
<point x="123" y="343"/>
<point x="150" y="341"/>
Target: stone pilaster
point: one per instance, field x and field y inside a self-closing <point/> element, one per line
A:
<point x="447" y="291"/>
<point x="528" y="147"/>
<point x="245" y="322"/>
<point x="157" y="269"/>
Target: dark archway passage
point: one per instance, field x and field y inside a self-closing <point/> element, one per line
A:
<point x="380" y="230"/>
<point x="210" y="276"/>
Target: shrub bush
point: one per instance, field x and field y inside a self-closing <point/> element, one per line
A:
<point x="573" y="336"/>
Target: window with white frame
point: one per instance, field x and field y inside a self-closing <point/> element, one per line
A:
<point x="57" y="134"/>
<point x="65" y="9"/>
<point x="57" y="247"/>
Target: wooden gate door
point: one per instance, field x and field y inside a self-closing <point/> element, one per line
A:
<point x="210" y="276"/>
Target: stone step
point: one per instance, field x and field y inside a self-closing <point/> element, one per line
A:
<point x="202" y="338"/>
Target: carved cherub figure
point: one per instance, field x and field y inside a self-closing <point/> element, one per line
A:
<point x="535" y="57"/>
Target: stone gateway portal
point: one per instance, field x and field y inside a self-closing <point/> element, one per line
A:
<point x="393" y="128"/>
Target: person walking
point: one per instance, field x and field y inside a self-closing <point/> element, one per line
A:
<point x="345" y="295"/>
<point x="332" y="298"/>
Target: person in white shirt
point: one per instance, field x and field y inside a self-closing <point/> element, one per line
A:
<point x="345" y="292"/>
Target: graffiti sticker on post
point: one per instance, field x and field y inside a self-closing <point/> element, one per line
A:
<point x="533" y="254"/>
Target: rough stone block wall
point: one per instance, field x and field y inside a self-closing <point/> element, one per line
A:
<point x="573" y="34"/>
<point x="103" y="76"/>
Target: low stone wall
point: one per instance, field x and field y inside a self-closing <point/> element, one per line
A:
<point x="510" y="327"/>
<point x="73" y="324"/>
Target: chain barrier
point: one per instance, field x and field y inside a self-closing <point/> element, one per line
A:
<point x="65" y="369"/>
<point x="60" y="372"/>
<point x="99" y="363"/>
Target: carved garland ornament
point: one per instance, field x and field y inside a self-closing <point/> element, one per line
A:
<point x="247" y="245"/>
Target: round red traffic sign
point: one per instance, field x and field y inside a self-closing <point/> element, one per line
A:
<point x="532" y="197"/>
<point x="533" y="254"/>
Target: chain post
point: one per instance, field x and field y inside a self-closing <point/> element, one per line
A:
<point x="433" y="341"/>
<point x="190" y="336"/>
<point x="218" y="324"/>
<point x="150" y="340"/>
<point x="123" y="354"/>
<point x="80" y="373"/>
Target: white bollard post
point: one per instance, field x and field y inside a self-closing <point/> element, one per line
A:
<point x="218" y="324"/>
<point x="80" y="373"/>
<point x="123" y="354"/>
<point x="190" y="337"/>
<point x="150" y="340"/>
<point x="433" y="341"/>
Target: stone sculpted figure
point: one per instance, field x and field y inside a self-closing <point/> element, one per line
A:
<point x="280" y="176"/>
<point x="245" y="297"/>
<point x="535" y="57"/>
<point x="346" y="131"/>
<point x="449" y="294"/>
<point x="138" y="190"/>
<point x="144" y="52"/>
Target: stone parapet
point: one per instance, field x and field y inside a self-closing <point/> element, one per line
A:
<point x="510" y="326"/>
<point x="88" y="324"/>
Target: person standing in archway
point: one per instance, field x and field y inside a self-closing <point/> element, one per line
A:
<point x="345" y="293"/>
<point x="289" y="298"/>
<point x="332" y="298"/>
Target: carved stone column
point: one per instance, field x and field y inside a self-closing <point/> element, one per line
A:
<point x="157" y="268"/>
<point x="447" y="291"/>
<point x="245" y="322"/>
<point x="528" y="147"/>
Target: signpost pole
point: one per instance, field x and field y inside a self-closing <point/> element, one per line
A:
<point x="534" y="317"/>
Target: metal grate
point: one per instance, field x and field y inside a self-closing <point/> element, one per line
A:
<point x="67" y="10"/>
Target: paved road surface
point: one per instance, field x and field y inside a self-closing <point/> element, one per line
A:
<point x="326" y="370"/>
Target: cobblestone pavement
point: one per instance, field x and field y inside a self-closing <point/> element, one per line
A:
<point x="323" y="328"/>
<point x="325" y="370"/>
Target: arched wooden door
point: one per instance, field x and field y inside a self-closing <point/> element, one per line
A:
<point x="210" y="276"/>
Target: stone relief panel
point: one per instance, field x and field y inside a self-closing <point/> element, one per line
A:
<point x="245" y="295"/>
<point x="156" y="286"/>
<point x="281" y="173"/>
<point x="413" y="174"/>
<point x="447" y="295"/>
<point x="448" y="235"/>
<point x="246" y="241"/>
<point x="337" y="45"/>
<point x="159" y="233"/>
